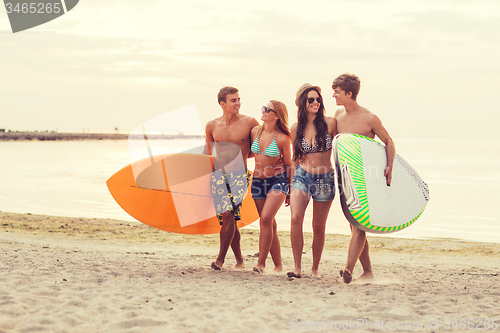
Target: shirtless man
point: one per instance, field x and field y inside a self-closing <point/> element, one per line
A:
<point x="358" y="120"/>
<point x="229" y="136"/>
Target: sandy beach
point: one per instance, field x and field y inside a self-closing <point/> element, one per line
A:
<point x="98" y="275"/>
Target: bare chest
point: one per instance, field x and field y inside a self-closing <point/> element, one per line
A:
<point x="239" y="135"/>
<point x="354" y="124"/>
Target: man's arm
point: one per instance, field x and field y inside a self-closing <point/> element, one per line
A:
<point x="254" y="128"/>
<point x="253" y="135"/>
<point x="209" y="138"/>
<point x="286" y="153"/>
<point x="294" y="164"/>
<point x="338" y="112"/>
<point x="390" y="147"/>
<point x="332" y="126"/>
<point x="254" y="122"/>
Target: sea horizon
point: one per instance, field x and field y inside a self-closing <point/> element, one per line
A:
<point x="67" y="178"/>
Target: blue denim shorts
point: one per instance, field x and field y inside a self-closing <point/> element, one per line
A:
<point x="262" y="186"/>
<point x="320" y="186"/>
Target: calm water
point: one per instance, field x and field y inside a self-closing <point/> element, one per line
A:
<point x="67" y="178"/>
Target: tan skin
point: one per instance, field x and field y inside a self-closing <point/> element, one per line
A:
<point x="356" y="119"/>
<point x="233" y="128"/>
<point x="268" y="207"/>
<point x="317" y="163"/>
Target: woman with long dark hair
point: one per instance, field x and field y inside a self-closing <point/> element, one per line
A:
<point x="313" y="173"/>
<point x="270" y="184"/>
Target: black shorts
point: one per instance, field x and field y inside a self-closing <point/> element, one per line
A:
<point x="262" y="186"/>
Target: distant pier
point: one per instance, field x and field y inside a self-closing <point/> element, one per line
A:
<point x="56" y="136"/>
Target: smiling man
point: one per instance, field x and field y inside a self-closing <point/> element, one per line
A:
<point x="228" y="139"/>
<point x="356" y="119"/>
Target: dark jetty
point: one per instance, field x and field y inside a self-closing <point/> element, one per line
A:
<point x="56" y="136"/>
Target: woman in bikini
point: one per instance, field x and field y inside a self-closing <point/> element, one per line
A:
<point x="270" y="185"/>
<point x="314" y="175"/>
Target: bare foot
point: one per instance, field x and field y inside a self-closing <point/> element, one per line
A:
<point x="258" y="270"/>
<point x="365" y="276"/>
<point x="294" y="274"/>
<point x="315" y="272"/>
<point x="215" y="266"/>
<point x="278" y="269"/>
<point x="239" y="265"/>
<point x="346" y="275"/>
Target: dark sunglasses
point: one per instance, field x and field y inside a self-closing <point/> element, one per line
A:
<point x="267" y="110"/>
<point x="311" y="100"/>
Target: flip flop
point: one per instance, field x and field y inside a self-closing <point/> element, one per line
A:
<point x="346" y="275"/>
<point x="258" y="270"/>
<point x="215" y="267"/>
<point x="292" y="274"/>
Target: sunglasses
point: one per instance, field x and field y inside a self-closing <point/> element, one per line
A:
<point x="267" y="109"/>
<point x="311" y="100"/>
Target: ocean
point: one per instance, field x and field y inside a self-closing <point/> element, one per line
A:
<point x="67" y="178"/>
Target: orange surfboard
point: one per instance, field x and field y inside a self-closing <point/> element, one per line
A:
<point x="173" y="193"/>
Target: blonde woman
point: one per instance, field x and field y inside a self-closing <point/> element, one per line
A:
<point x="313" y="176"/>
<point x="270" y="184"/>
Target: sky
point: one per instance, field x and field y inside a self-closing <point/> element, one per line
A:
<point x="427" y="68"/>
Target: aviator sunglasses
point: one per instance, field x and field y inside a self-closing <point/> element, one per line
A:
<point x="267" y="109"/>
<point x="311" y="100"/>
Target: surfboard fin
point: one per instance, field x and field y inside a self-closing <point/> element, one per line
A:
<point x="351" y="195"/>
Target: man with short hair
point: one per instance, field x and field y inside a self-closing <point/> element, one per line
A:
<point x="229" y="136"/>
<point x="356" y="119"/>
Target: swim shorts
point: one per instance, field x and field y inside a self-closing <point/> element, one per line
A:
<point x="320" y="186"/>
<point x="228" y="191"/>
<point x="262" y="186"/>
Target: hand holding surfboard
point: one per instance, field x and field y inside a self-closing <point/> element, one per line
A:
<point x="367" y="202"/>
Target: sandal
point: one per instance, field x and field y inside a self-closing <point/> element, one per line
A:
<point x="258" y="270"/>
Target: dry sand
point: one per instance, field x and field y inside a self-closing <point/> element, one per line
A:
<point x="97" y="275"/>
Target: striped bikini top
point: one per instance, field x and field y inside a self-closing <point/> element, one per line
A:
<point x="271" y="150"/>
<point x="306" y="149"/>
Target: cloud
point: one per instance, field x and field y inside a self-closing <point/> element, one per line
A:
<point x="279" y="38"/>
<point x="79" y="55"/>
<point x="413" y="57"/>
<point x="452" y="26"/>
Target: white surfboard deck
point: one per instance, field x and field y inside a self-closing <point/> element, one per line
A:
<point x="367" y="202"/>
